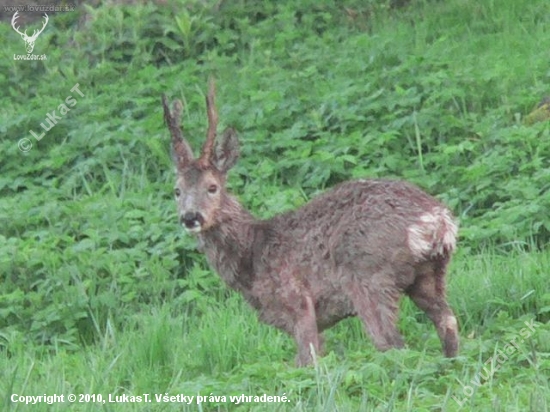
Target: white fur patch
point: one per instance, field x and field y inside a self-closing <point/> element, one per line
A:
<point x="434" y="234"/>
<point x="452" y="323"/>
<point x="195" y="229"/>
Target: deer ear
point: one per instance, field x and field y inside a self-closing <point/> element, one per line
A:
<point x="227" y="151"/>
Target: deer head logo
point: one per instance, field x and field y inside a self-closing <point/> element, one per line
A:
<point x="29" y="40"/>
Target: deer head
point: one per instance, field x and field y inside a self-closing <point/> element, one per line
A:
<point x="29" y="40"/>
<point x="200" y="183"/>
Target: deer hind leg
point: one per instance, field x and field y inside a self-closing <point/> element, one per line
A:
<point x="428" y="293"/>
<point x="306" y="334"/>
<point x="377" y="304"/>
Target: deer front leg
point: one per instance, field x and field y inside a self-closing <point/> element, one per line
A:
<point x="306" y="334"/>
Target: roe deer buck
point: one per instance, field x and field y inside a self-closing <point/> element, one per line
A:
<point x="350" y="251"/>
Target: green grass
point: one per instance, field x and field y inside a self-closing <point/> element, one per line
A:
<point x="225" y="351"/>
<point x="102" y="293"/>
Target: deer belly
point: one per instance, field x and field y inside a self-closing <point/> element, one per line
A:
<point x="330" y="310"/>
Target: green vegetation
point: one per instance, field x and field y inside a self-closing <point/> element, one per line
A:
<point x="102" y="293"/>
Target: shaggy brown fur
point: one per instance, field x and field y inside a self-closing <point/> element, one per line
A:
<point x="353" y="250"/>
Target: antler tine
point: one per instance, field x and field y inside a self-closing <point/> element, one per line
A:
<point x="43" y="25"/>
<point x="13" y="23"/>
<point x="181" y="148"/>
<point x="36" y="32"/>
<point x="208" y="146"/>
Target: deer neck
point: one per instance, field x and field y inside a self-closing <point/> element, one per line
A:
<point x="229" y="245"/>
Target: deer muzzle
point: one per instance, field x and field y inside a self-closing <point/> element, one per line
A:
<point x="192" y="221"/>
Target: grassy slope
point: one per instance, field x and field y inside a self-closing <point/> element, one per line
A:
<point x="227" y="352"/>
<point x="101" y="293"/>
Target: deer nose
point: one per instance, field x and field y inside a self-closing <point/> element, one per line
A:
<point x="192" y="220"/>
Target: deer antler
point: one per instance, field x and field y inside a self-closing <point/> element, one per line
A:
<point x="208" y="146"/>
<point x="13" y="24"/>
<point x="35" y="34"/>
<point x="180" y="147"/>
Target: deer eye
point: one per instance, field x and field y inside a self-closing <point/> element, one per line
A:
<point x="177" y="192"/>
<point x="212" y="189"/>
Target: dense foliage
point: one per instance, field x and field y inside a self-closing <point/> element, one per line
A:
<point x="435" y="92"/>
